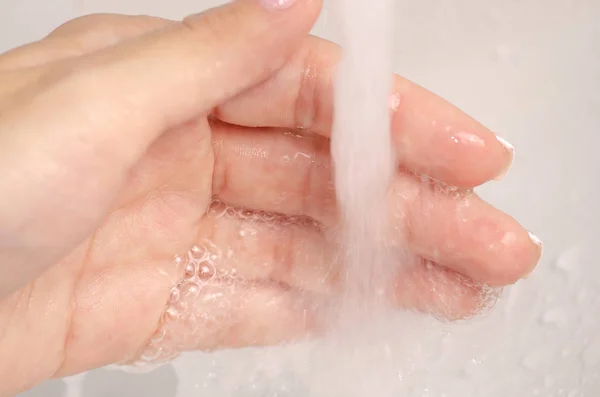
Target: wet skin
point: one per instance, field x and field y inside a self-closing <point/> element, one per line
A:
<point x="117" y="132"/>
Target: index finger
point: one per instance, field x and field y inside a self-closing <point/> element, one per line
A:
<point x="431" y="136"/>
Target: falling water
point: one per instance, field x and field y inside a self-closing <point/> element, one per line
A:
<point x="364" y="163"/>
<point x="361" y="144"/>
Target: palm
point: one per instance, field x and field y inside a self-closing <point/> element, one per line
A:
<point x="132" y="255"/>
<point x="119" y="279"/>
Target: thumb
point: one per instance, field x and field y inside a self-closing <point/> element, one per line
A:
<point x="94" y="117"/>
<point x="165" y="78"/>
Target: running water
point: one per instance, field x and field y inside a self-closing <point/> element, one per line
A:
<point x="364" y="163"/>
<point x="361" y="147"/>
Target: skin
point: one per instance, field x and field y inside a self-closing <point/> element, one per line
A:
<point x="116" y="132"/>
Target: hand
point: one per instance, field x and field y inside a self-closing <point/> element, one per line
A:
<point x="116" y="134"/>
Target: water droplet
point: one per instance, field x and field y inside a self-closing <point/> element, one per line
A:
<point x="568" y="260"/>
<point x="207" y="271"/>
<point x="174" y="295"/>
<point x="151" y="353"/>
<point x="189" y="290"/>
<point x="556" y="316"/>
<point x="230" y="212"/>
<point x="300" y="154"/>
<point x="197" y="252"/>
<point x="171" y="314"/>
<point x="394" y="102"/>
<point x="190" y="270"/>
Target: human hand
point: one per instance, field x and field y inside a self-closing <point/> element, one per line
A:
<point x="116" y="133"/>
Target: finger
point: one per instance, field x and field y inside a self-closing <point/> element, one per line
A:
<point x="269" y="170"/>
<point x="438" y="291"/>
<point x="441" y="224"/>
<point x="141" y="88"/>
<point x="262" y="246"/>
<point x="227" y="314"/>
<point x="80" y="36"/>
<point x="265" y="247"/>
<point x="431" y="136"/>
<point x="462" y="232"/>
<point x="223" y="312"/>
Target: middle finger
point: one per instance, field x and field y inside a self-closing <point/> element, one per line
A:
<point x="291" y="174"/>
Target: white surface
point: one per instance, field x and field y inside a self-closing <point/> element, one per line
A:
<point x="530" y="70"/>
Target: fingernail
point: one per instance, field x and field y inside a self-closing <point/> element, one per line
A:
<point x="536" y="240"/>
<point x="540" y="246"/>
<point x="511" y="151"/>
<point x="277" y="4"/>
